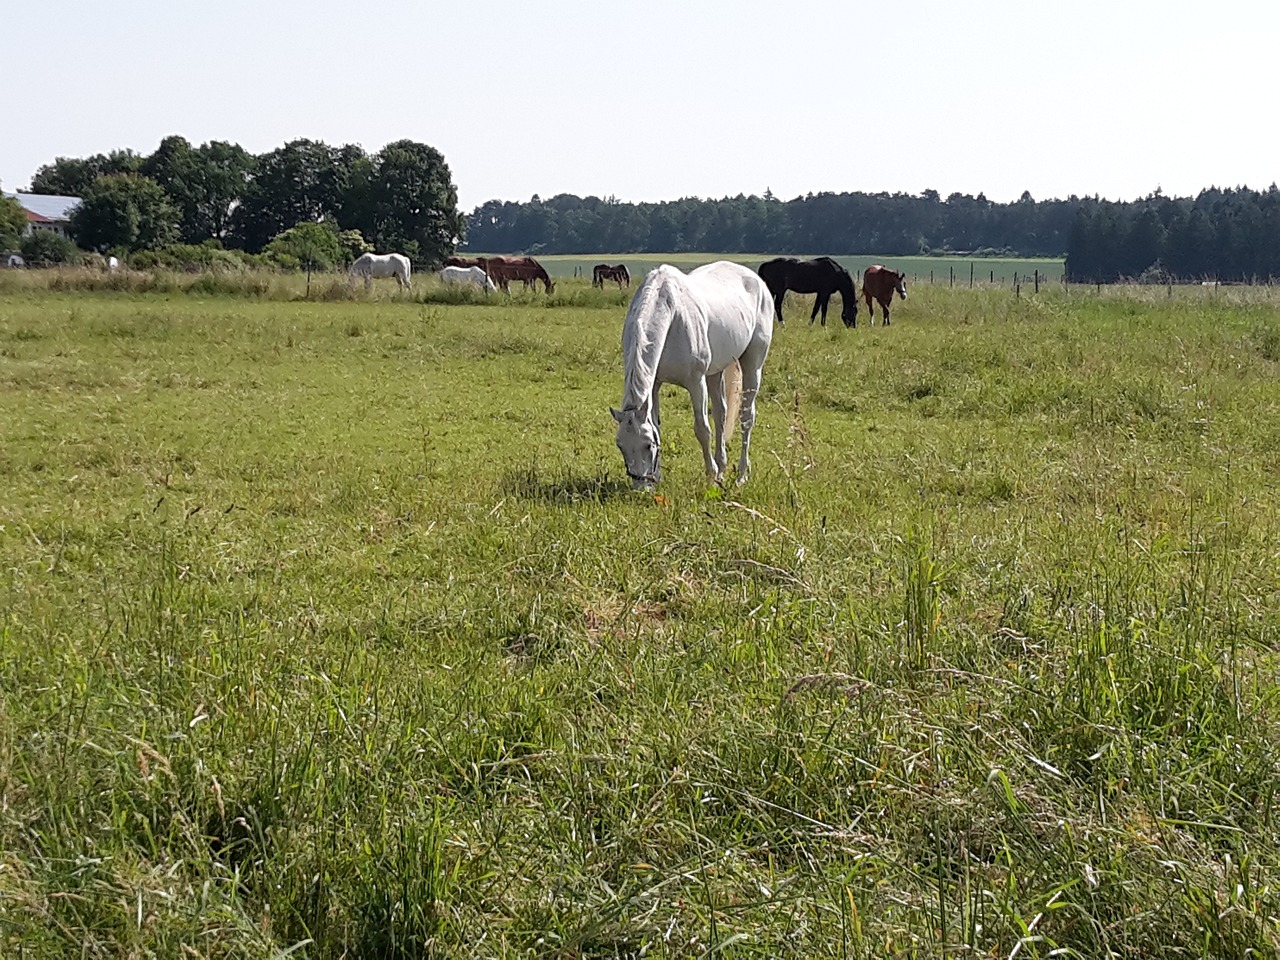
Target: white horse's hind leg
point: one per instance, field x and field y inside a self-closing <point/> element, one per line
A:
<point x="752" y="364"/>
<point x="716" y="388"/>
<point x="701" y="426"/>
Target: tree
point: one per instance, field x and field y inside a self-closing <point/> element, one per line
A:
<point x="296" y="183"/>
<point x="13" y="221"/>
<point x="71" y="177"/>
<point x="353" y="245"/>
<point x="415" y="204"/>
<point x="124" y="210"/>
<point x="315" y="246"/>
<point x="203" y="183"/>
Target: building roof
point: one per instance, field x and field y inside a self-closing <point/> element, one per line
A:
<point x="49" y="206"/>
<point x="33" y="217"/>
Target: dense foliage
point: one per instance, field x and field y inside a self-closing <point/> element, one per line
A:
<point x="126" y="211"/>
<point x="1221" y="234"/>
<point x="832" y="223"/>
<point x="401" y="199"/>
<point x="13" y="220"/>
<point x="45" y="246"/>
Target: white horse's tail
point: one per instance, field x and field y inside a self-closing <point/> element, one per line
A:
<point x="733" y="397"/>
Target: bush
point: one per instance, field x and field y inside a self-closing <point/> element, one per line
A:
<point x="44" y="246"/>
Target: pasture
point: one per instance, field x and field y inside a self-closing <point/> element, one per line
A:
<point x="917" y="268"/>
<point x="333" y="628"/>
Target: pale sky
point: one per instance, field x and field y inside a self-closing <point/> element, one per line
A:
<point x="659" y="100"/>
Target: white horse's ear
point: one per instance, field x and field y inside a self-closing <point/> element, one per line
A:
<point x="617" y="414"/>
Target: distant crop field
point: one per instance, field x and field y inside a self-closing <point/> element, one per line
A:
<point x="332" y="629"/>
<point x="921" y="269"/>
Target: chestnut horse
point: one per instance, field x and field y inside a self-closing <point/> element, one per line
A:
<point x="502" y="270"/>
<point x="881" y="283"/>
<point x="602" y="272"/>
<point x="821" y="275"/>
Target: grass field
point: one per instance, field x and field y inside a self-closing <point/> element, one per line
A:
<point x="1000" y="270"/>
<point x="331" y="630"/>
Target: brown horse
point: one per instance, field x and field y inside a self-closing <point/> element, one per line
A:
<point x="602" y="272"/>
<point x="502" y="270"/>
<point x="881" y="283"/>
<point x="464" y="262"/>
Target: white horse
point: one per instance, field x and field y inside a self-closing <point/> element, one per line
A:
<point x="464" y="275"/>
<point x="690" y="329"/>
<point x="370" y="265"/>
<point x="112" y="264"/>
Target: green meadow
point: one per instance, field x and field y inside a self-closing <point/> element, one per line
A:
<point x="938" y="270"/>
<point x="332" y="629"/>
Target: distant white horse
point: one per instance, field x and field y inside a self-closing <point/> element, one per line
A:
<point x="693" y="330"/>
<point x="464" y="275"/>
<point x="112" y="264"/>
<point x="371" y="265"/>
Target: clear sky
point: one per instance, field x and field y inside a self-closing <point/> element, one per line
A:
<point x="659" y="100"/>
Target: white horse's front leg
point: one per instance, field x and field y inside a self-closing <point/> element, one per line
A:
<point x="715" y="388"/>
<point x="701" y="426"/>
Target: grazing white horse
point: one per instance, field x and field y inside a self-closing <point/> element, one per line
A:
<point x="370" y="265"/>
<point x="691" y="329"/>
<point x="464" y="275"/>
<point x="112" y="264"/>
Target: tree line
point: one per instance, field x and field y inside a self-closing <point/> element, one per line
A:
<point x="1231" y="235"/>
<point x="401" y="198"/>
<point x="895" y="224"/>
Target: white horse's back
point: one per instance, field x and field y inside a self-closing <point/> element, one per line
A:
<point x="372" y="265"/>
<point x="474" y="276"/>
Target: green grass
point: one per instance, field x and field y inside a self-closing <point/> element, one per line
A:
<point x="332" y="627"/>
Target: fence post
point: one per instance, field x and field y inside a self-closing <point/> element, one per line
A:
<point x="970" y="274"/>
<point x="931" y="278"/>
<point x="993" y="276"/>
<point x="1037" y="280"/>
<point x="953" y="274"/>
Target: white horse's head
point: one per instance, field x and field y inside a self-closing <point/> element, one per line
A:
<point x="639" y="441"/>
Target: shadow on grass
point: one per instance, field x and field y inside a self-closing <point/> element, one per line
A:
<point x="531" y="483"/>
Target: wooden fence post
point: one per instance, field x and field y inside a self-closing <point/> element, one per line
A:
<point x="970" y="274"/>
<point x="1037" y="280"/>
<point x="953" y="275"/>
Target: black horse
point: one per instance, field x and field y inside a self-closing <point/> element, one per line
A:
<point x="822" y="276"/>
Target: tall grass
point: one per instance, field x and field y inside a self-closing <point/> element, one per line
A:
<point x="333" y="627"/>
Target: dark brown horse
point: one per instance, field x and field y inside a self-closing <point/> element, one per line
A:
<point x="881" y="283"/>
<point x="502" y="270"/>
<point x="464" y="262"/>
<point x="602" y="272"/>
<point x="821" y="275"/>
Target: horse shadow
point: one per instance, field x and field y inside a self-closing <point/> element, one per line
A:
<point x="532" y="483"/>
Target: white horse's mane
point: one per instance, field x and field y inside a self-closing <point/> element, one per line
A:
<point x="645" y="330"/>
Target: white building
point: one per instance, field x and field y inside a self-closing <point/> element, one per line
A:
<point x="46" y="211"/>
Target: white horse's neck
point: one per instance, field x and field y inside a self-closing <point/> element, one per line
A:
<point x="644" y="335"/>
